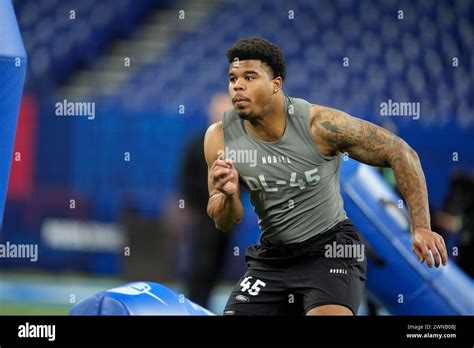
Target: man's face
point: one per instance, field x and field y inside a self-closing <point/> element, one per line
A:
<point x="250" y="88"/>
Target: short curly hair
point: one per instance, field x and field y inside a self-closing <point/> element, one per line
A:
<point x="259" y="49"/>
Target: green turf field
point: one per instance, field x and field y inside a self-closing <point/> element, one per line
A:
<point x="32" y="309"/>
<point x="42" y="293"/>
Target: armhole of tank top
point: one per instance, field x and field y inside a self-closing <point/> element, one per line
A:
<point x="224" y="119"/>
<point x="309" y="136"/>
<point x="224" y="125"/>
<point x="338" y="166"/>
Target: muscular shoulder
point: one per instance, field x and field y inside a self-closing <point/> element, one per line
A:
<point x="321" y="112"/>
<point x="213" y="141"/>
<point x="215" y="130"/>
<point x="327" y="127"/>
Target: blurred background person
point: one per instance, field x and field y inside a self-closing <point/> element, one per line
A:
<point x="209" y="245"/>
<point x="455" y="220"/>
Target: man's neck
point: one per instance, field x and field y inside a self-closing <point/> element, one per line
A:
<point x="271" y="126"/>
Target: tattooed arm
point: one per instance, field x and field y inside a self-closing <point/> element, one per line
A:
<point x="336" y="132"/>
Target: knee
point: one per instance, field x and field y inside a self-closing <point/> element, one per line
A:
<point x="330" y="310"/>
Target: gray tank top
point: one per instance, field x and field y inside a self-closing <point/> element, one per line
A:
<point x="293" y="187"/>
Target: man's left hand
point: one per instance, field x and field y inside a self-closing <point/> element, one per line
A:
<point x="425" y="240"/>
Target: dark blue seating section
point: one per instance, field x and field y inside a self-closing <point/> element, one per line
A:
<point x="61" y="35"/>
<point x="409" y="59"/>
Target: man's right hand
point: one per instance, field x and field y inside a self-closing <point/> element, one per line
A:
<point x="225" y="177"/>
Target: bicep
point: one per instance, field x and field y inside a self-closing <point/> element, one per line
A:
<point x="374" y="144"/>
<point x="361" y="140"/>
<point x="211" y="149"/>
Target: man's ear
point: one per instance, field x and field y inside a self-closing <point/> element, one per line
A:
<point x="277" y="83"/>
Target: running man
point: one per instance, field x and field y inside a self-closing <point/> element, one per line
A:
<point x="289" y="159"/>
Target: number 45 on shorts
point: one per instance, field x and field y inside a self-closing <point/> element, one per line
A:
<point x="254" y="289"/>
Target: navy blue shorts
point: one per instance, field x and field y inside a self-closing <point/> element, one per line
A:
<point x="292" y="279"/>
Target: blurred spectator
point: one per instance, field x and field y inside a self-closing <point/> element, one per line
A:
<point x="208" y="244"/>
<point x="455" y="220"/>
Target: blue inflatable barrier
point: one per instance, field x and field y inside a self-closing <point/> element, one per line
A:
<point x="12" y="77"/>
<point x="140" y="298"/>
<point x="395" y="277"/>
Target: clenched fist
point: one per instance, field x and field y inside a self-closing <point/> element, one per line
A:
<point x="224" y="176"/>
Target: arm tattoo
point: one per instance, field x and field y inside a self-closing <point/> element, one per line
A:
<point x="329" y="126"/>
<point x="374" y="145"/>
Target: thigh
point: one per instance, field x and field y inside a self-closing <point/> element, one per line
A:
<point x="254" y="294"/>
<point x="262" y="290"/>
<point x="332" y="282"/>
<point x="334" y="279"/>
